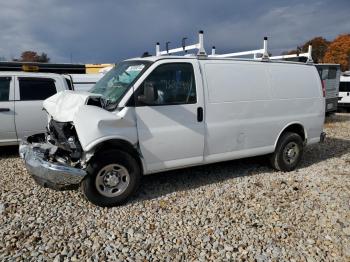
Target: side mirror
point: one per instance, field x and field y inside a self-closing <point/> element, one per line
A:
<point x="149" y="94"/>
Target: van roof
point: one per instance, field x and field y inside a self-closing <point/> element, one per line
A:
<point x="195" y="57"/>
<point x="345" y="78"/>
<point x="21" y="73"/>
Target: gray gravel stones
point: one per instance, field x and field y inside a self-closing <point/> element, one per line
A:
<point x="229" y="211"/>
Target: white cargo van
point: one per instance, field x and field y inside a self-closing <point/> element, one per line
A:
<point x="344" y="92"/>
<point x="160" y="113"/>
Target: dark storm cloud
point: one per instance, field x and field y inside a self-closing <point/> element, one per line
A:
<point x="107" y="30"/>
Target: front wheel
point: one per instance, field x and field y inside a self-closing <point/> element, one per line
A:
<point x="288" y="153"/>
<point x="113" y="177"/>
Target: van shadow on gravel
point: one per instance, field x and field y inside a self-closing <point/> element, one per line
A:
<point x="332" y="147"/>
<point x="8" y="152"/>
<point x="157" y="185"/>
<point x="339" y="117"/>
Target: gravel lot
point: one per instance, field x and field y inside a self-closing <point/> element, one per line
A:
<point x="237" y="210"/>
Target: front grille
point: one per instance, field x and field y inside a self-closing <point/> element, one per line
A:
<point x="60" y="132"/>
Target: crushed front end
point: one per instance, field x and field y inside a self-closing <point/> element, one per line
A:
<point x="54" y="159"/>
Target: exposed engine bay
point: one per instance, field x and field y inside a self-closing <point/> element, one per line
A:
<point x="60" y="144"/>
<point x="64" y="136"/>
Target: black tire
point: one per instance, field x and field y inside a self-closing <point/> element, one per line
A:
<point x="97" y="166"/>
<point x="287" y="142"/>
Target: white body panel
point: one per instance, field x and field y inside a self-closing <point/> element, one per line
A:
<point x="95" y="125"/>
<point x="249" y="104"/>
<point x="170" y="135"/>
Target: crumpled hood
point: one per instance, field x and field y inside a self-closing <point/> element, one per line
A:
<point x="63" y="105"/>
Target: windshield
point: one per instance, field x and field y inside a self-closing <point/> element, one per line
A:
<point x="344" y="87"/>
<point x="118" y="80"/>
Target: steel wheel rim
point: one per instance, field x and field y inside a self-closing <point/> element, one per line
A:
<point x="291" y="152"/>
<point x="112" y="180"/>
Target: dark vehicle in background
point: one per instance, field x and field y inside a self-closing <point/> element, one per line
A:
<point x="330" y="76"/>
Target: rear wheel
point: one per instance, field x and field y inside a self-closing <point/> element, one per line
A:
<point x="113" y="177"/>
<point x="288" y="153"/>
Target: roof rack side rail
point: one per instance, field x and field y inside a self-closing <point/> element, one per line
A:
<point x="308" y="55"/>
<point x="199" y="46"/>
<point x="262" y="51"/>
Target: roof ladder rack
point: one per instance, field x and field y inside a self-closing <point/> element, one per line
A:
<point x="258" y="54"/>
<point x="199" y="46"/>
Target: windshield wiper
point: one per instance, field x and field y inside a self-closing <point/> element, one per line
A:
<point x="108" y="104"/>
<point x="105" y="102"/>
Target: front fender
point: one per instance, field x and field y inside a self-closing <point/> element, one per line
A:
<point x="95" y="125"/>
<point x="101" y="140"/>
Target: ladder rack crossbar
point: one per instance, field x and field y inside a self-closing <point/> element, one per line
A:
<point x="179" y="49"/>
<point x="289" y="56"/>
<point x="252" y="52"/>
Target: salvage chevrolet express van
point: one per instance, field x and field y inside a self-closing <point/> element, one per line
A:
<point x="159" y="113"/>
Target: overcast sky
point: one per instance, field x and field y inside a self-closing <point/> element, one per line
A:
<point x="110" y="30"/>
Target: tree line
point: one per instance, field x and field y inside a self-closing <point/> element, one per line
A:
<point x="29" y="56"/>
<point x="324" y="51"/>
<point x="32" y="56"/>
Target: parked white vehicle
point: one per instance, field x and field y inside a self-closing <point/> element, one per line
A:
<point x="330" y="75"/>
<point x="83" y="82"/>
<point x="21" y="97"/>
<point x="344" y="91"/>
<point x="161" y="113"/>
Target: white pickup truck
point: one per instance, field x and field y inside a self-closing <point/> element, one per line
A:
<point x="21" y="97"/>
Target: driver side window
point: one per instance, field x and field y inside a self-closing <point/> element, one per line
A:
<point x="168" y="84"/>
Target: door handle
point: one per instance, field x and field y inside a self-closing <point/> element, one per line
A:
<point x="199" y="114"/>
<point x="4" y="109"/>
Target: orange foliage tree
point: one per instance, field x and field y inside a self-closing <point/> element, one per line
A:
<point x="31" y="56"/>
<point x="339" y="52"/>
<point x="319" y="47"/>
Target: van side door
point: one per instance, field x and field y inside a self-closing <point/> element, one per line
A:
<point x="31" y="91"/>
<point x="171" y="127"/>
<point x="8" y="134"/>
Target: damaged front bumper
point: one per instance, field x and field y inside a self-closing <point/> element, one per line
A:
<point x="54" y="175"/>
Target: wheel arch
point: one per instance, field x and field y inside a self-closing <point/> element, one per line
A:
<point x="295" y="127"/>
<point x="119" y="144"/>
